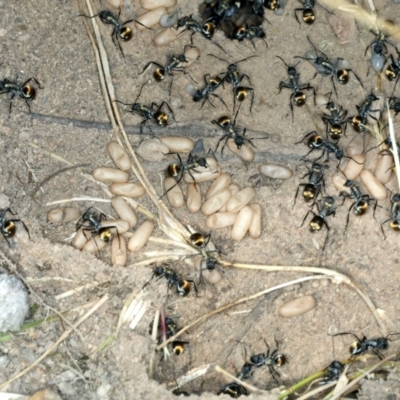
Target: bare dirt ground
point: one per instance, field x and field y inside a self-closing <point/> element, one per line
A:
<point x="49" y="42"/>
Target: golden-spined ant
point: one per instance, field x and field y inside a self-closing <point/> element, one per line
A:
<point x="298" y="98"/>
<point x="315" y="183"/>
<point x="152" y="112"/>
<point x="182" y="286"/>
<point x="244" y="32"/>
<point x="325" y="209"/>
<point x="178" y="170"/>
<point x="8" y="227"/>
<point x="210" y="85"/>
<point x="272" y="360"/>
<point x="361" y="201"/>
<point x="315" y="142"/>
<point x="210" y="261"/>
<point x="328" y="67"/>
<point x="359" y="121"/>
<point x="335" y="121"/>
<point x="392" y="71"/>
<point x="120" y="31"/>
<point x="232" y="132"/>
<point x="308" y="11"/>
<point x="394" y="214"/>
<point x="91" y="221"/>
<point x="206" y="29"/>
<point x="332" y="372"/>
<point x="172" y="65"/>
<point x="233" y="77"/>
<point x="233" y="389"/>
<point x="363" y="345"/>
<point x="13" y="88"/>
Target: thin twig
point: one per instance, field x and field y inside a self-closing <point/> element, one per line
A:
<point x="246" y="385"/>
<point x="236" y="302"/>
<point x="55" y="345"/>
<point x="336" y="276"/>
<point x="394" y="146"/>
<point x="355" y="381"/>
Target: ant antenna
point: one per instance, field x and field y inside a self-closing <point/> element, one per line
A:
<point x="140" y="92"/>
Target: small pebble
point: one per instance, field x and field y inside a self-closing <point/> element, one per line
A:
<point x="296" y="307"/>
<point x="275" y="171"/>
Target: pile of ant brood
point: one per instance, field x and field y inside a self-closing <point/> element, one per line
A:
<point x="225" y="204"/>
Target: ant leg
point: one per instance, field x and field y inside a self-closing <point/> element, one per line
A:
<point x="310" y="211"/>
<point x="348" y="216"/>
<point x="222" y="101"/>
<point x="150" y="63"/>
<point x="296" y="10"/>
<point x="169" y="108"/>
<point x="359" y="80"/>
<point x="297" y="192"/>
<point x="382" y="228"/>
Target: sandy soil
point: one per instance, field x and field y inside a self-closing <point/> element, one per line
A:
<point x="69" y="119"/>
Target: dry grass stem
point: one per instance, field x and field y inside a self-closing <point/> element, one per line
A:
<point x="94" y="199"/>
<point x="56" y="344"/>
<point x="231" y="377"/>
<point x="394" y="147"/>
<point x="317" y="390"/>
<point x="354" y="382"/>
<point x="234" y="303"/>
<point x="157" y="260"/>
<point x="188" y="377"/>
<point x="335" y="276"/>
<point x="75" y="291"/>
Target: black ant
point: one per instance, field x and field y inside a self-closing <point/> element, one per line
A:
<point x="332" y="372"/>
<point x="394" y="104"/>
<point x="178" y="346"/>
<point x="325" y="209"/>
<point x="271" y="360"/>
<point x="364" y="110"/>
<point x="211" y="84"/>
<point x="335" y="120"/>
<point x="298" y="98"/>
<point x="394" y="214"/>
<point x="91" y="221"/>
<point x="148" y="112"/>
<point x="25" y="92"/>
<point x="182" y="286"/>
<point x="8" y="227"/>
<point x="315" y="183"/>
<point x="326" y="67"/>
<point x="308" y="11"/>
<point x="363" y="345"/>
<point x="206" y="28"/>
<point x="120" y="31"/>
<point x="233" y="77"/>
<point x="192" y="162"/>
<point x="392" y="71"/>
<point x="243" y="32"/>
<point x="200" y="241"/>
<point x="361" y="201"/>
<point x="234" y="390"/>
<point x="315" y="142"/>
<point x="171" y="66"/>
<point x="237" y="134"/>
<point x="222" y="10"/>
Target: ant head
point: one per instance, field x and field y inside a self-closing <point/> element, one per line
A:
<point x="202" y="162"/>
<point x="182" y="21"/>
<point x="396" y="198"/>
<point x="319" y="60"/>
<point x="292" y="71"/>
<point x="182" y="58"/>
<point x="330" y="105"/>
<point x="239" y="141"/>
<point x="158" y="271"/>
<point x="197" y="96"/>
<point x="329" y="201"/>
